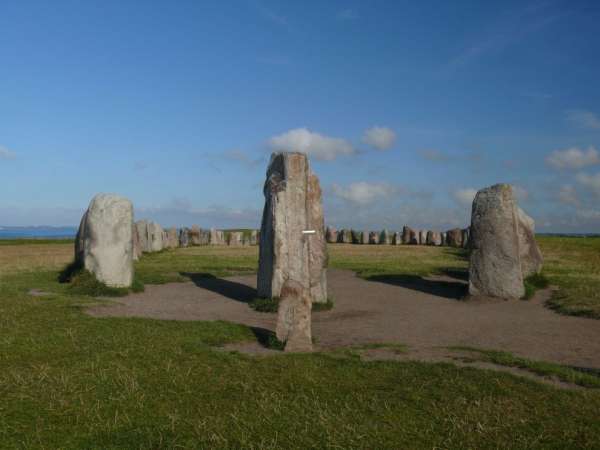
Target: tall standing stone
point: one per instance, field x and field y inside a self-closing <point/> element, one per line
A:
<point x="345" y="237"/>
<point x="385" y="238"/>
<point x="254" y="237"/>
<point x="104" y="243"/>
<point x="331" y="235"/>
<point x="294" y="317"/>
<point x="184" y="237"/>
<point x="137" y="246"/>
<point x="217" y="237"/>
<point x="142" y="230"/>
<point x="356" y="236"/>
<point x="495" y="263"/>
<point x="465" y="237"/>
<point x="529" y="252"/>
<point x="292" y="205"/>
<point x="172" y="240"/>
<point x="235" y="238"/>
<point x="373" y="237"/>
<point x="155" y="237"/>
<point x="434" y="238"/>
<point x="195" y="235"/>
<point x="454" y="237"/>
<point x="397" y="238"/>
<point x="423" y="237"/>
<point x="407" y="233"/>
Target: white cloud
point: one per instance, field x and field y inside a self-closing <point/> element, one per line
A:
<point x="568" y="195"/>
<point x="592" y="182"/>
<point x="324" y="148"/>
<point x="6" y="153"/>
<point x="573" y="158"/>
<point x="465" y="196"/>
<point x="381" y="138"/>
<point x="363" y="192"/>
<point x="584" y="119"/>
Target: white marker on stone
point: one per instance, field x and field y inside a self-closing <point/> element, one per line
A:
<point x="308" y="232"/>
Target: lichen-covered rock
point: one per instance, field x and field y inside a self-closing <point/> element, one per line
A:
<point x="385" y="238"/>
<point x="454" y="237"/>
<point x="294" y="317"/>
<point x="495" y="263"/>
<point x="529" y="252"/>
<point x="434" y="238"/>
<point x="331" y="235"/>
<point x="292" y="205"/>
<point x="104" y="242"/>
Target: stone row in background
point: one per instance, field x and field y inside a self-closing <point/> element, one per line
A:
<point x="453" y="238"/>
<point x="149" y="237"/>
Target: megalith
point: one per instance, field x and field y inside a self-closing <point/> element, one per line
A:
<point x="454" y="237"/>
<point x="216" y="237"/>
<point x="155" y="237"/>
<point x="406" y="233"/>
<point x="397" y="238"/>
<point x="137" y="246"/>
<point x="184" y="237"/>
<point x="172" y="239"/>
<point x="104" y="243"/>
<point x="529" y="252"/>
<point x="331" y="235"/>
<point x="495" y="268"/>
<point x="142" y="231"/>
<point x="385" y="238"/>
<point x="294" y="317"/>
<point x="292" y="236"/>
<point x="422" y="237"/>
<point x="345" y="237"/>
<point x="235" y="238"/>
<point x="373" y="237"/>
<point x="194" y="234"/>
<point x="434" y="238"/>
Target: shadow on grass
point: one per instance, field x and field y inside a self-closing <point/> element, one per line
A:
<point x="230" y="289"/>
<point x="458" y="274"/>
<point x="267" y="338"/>
<point x="454" y="290"/>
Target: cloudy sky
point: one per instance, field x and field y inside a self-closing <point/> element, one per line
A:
<point x="406" y="109"/>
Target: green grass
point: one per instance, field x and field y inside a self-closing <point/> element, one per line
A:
<point x="581" y="377"/>
<point x="72" y="381"/>
<point x="573" y="265"/>
<point x="82" y="282"/>
<point x="271" y="305"/>
<point x="533" y="283"/>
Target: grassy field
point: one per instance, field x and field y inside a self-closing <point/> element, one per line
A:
<point x="72" y="381"/>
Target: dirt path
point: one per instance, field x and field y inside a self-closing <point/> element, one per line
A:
<point x="421" y="313"/>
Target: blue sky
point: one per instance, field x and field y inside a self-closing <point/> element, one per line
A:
<point x="405" y="108"/>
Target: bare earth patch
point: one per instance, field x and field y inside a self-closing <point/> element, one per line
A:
<point x="423" y="314"/>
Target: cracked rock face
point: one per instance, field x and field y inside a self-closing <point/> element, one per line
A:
<point x="292" y="205"/>
<point x="294" y="317"/>
<point x="502" y="242"/>
<point x="104" y="243"/>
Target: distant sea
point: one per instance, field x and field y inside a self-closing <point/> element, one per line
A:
<point x="37" y="232"/>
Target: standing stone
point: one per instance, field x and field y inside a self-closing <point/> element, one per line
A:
<point x="292" y="205"/>
<point x="155" y="237"/>
<point x="465" y="237"/>
<point x="397" y="238"/>
<point x="184" y="237"/>
<point x="172" y="240"/>
<point x="235" y="238"/>
<point x="384" y="237"/>
<point x="434" y="238"/>
<point x="204" y="236"/>
<point x="104" y="243"/>
<point x="373" y="237"/>
<point x="495" y="263"/>
<point x="195" y="235"/>
<point x="364" y="237"/>
<point x="331" y="235"/>
<point x="142" y="230"/>
<point x="293" y="317"/>
<point x="345" y="237"/>
<point x="529" y="252"/>
<point x="414" y="237"/>
<point x="254" y="237"/>
<point x="423" y="237"/>
<point x="137" y="246"/>
<point x="356" y="236"/>
<point x="217" y="237"/>
<point x="444" y="239"/>
<point x="406" y="235"/>
<point x="454" y="237"/>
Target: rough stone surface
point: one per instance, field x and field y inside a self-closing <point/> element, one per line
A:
<point x="530" y="254"/>
<point x="454" y="237"/>
<point x="137" y="246"/>
<point x="217" y="237"/>
<point x="294" y="317"/>
<point x="345" y="237"/>
<point x="385" y="238"/>
<point x="235" y="238"/>
<point x="172" y="238"/>
<point x="406" y="234"/>
<point x="331" y="235"/>
<point x="155" y="237"/>
<point x="142" y="231"/>
<point x="184" y="237"/>
<point x="195" y="235"/>
<point x="373" y="237"/>
<point x="104" y="242"/>
<point x="434" y="238"/>
<point x="292" y="205"/>
<point x="465" y="237"/>
<point x="495" y="263"/>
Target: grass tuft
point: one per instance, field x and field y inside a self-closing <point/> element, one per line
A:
<point x="271" y="305"/>
<point x="533" y="283"/>
<point x="82" y="282"/>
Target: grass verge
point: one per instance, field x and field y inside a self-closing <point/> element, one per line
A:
<point x="533" y="283"/>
